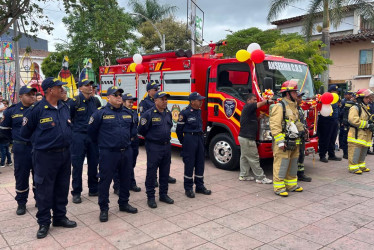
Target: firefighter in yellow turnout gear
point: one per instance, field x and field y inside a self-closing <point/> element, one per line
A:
<point x="285" y="126"/>
<point x="360" y="132"/>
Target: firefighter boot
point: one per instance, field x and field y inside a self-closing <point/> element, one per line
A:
<point x="303" y="177"/>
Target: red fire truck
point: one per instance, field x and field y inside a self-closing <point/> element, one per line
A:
<point x="225" y="83"/>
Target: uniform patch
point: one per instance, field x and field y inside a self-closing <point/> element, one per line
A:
<point x="191" y="119"/>
<point x="180" y="118"/>
<point x="126" y="116"/>
<point x="81" y="109"/>
<point x="17" y="115"/>
<point x="143" y="121"/>
<point x="156" y="119"/>
<point x="44" y="120"/>
<point x="108" y="117"/>
<point x="24" y="121"/>
<point x="91" y="120"/>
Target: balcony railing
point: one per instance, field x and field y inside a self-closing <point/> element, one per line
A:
<point x="365" y="69"/>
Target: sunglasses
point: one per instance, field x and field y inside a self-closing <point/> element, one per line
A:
<point x="117" y="95"/>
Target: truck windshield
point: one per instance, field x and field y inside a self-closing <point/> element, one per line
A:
<point x="283" y="71"/>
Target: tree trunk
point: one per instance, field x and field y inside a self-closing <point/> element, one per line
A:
<point x="326" y="41"/>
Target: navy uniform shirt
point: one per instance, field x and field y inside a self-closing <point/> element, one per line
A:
<point x="146" y="104"/>
<point x="111" y="127"/>
<point x="189" y="121"/>
<point x="81" y="110"/>
<point x="155" y="126"/>
<point x="50" y="127"/>
<point x="12" y="123"/>
<point x="134" y="130"/>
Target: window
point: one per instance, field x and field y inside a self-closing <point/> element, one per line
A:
<point x="366" y="62"/>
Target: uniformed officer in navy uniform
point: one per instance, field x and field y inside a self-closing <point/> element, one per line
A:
<point x="328" y="131"/>
<point x="81" y="108"/>
<point x="128" y="103"/>
<point x="147" y="103"/>
<point x="343" y="123"/>
<point x="190" y="134"/>
<point x="155" y="125"/>
<point x="11" y="126"/>
<point x="48" y="123"/>
<point x="110" y="127"/>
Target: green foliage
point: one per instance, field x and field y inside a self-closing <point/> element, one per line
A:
<point x="175" y="35"/>
<point x="52" y="64"/>
<point x="152" y="10"/>
<point x="242" y="38"/>
<point x="98" y="29"/>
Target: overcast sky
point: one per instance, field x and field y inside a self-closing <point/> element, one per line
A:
<point x="219" y="15"/>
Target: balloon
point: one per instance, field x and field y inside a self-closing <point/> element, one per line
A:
<point x="258" y="56"/>
<point x="139" y="68"/>
<point x="326" y="110"/>
<point x="336" y="98"/>
<point x="253" y="46"/>
<point x="327" y="98"/>
<point x="242" y="55"/>
<point x="132" y="67"/>
<point x="137" y="58"/>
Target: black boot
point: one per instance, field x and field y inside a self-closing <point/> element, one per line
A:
<point x="21" y="210"/>
<point x="65" y="222"/>
<point x="303" y="177"/>
<point x="42" y="232"/>
<point x="128" y="208"/>
<point x="172" y="180"/>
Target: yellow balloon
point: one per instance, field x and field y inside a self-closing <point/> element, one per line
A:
<point x="336" y="98"/>
<point x="243" y="55"/>
<point x="132" y="67"/>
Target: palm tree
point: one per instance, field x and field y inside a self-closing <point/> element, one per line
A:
<point x="152" y="10"/>
<point x="332" y="11"/>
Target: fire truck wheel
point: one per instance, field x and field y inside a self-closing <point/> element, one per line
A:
<point x="223" y="152"/>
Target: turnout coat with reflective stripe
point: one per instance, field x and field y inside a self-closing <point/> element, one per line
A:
<point x="360" y="123"/>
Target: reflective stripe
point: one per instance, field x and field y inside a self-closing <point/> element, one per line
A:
<point x="363" y="124"/>
<point x="180" y="122"/>
<point x="300" y="167"/>
<point x="362" y="165"/>
<point x="279" y="184"/>
<point x="354" y="167"/>
<point x="5" y="127"/>
<point x="199" y="176"/>
<point x="358" y="141"/>
<point x="290" y="182"/>
<point x="279" y="137"/>
<point x="298" y="141"/>
<point x="187" y="177"/>
<point x="22" y="191"/>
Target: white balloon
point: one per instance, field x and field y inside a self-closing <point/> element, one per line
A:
<point x="253" y="46"/>
<point x="137" y="58"/>
<point x="326" y="110"/>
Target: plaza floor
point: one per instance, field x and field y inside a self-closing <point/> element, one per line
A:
<point x="335" y="211"/>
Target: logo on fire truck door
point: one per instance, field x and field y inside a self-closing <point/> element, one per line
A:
<point x="229" y="106"/>
<point x="175" y="110"/>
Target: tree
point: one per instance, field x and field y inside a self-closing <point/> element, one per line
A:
<point x="29" y="13"/>
<point x="332" y="10"/>
<point x="175" y="33"/>
<point x="98" y="30"/>
<point x="151" y="10"/>
<point x="52" y="64"/>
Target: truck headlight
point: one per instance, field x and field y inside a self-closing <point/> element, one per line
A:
<point x="264" y="131"/>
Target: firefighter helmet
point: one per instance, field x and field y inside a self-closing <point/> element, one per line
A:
<point x="289" y="86"/>
<point x="364" y="93"/>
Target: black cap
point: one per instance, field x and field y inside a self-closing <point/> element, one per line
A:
<point x="113" y="90"/>
<point x="152" y="85"/>
<point x="128" y="96"/>
<point x="26" y="90"/>
<point x="333" y="88"/>
<point x="50" y="82"/>
<point x="160" y="94"/>
<point x="85" y="82"/>
<point x="195" y="96"/>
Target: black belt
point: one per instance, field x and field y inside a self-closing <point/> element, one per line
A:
<point x="158" y="142"/>
<point x="194" y="133"/>
<point x="26" y="143"/>
<point x="115" y="149"/>
<point x="56" y="150"/>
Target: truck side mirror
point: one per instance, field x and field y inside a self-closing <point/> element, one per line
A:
<point x="321" y="90"/>
<point x="268" y="83"/>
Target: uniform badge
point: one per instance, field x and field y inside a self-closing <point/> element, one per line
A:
<point x="143" y="121"/>
<point x="24" y="121"/>
<point x="175" y="110"/>
<point x="53" y="124"/>
<point x="91" y="120"/>
<point x="229" y="107"/>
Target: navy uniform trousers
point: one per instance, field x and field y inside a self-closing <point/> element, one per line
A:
<point x="327" y="133"/>
<point x="82" y="145"/>
<point x="23" y="165"/>
<point x="158" y="157"/>
<point x="193" y="153"/>
<point x="110" y="162"/>
<point x="343" y="137"/>
<point x="52" y="171"/>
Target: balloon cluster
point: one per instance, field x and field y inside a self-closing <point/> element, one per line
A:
<point x="137" y="65"/>
<point x="268" y="94"/>
<point x="253" y="52"/>
<point x="327" y="99"/>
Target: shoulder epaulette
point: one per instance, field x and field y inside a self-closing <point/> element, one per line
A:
<point x="99" y="108"/>
<point x="35" y="105"/>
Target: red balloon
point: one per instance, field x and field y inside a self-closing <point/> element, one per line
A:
<point x="327" y="98"/>
<point x="258" y="56"/>
<point x="139" y="68"/>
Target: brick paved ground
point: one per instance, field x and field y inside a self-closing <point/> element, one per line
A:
<point x="334" y="212"/>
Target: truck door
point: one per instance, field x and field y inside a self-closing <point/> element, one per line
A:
<point x="105" y="83"/>
<point x="127" y="82"/>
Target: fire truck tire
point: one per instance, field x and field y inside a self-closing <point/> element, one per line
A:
<point x="223" y="152"/>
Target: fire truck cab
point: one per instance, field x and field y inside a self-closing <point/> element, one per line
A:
<point x="225" y="83"/>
